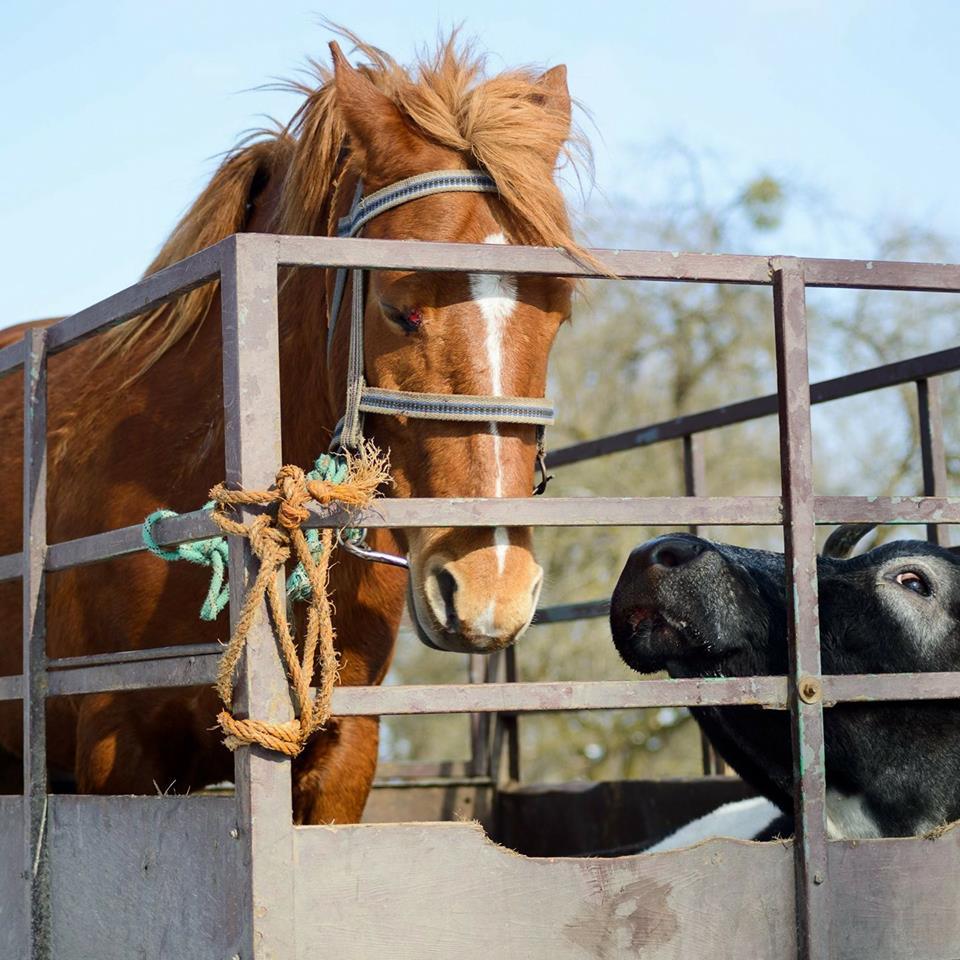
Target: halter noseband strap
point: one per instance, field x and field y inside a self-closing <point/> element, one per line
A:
<point x="430" y="406"/>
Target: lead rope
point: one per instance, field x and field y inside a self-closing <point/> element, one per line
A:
<point x="275" y="537"/>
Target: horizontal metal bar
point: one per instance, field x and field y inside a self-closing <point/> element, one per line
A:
<point x="892" y="510"/>
<point x="890" y="686"/>
<point x="425" y="782"/>
<point x="158" y="288"/>
<point x="136" y="656"/>
<point x="549" y="511"/>
<point x="11" y="357"/>
<point x="837" y="388"/>
<point x="174" y="672"/>
<point x="548" y="697"/>
<point x="480" y="258"/>
<point x="625" y="264"/>
<point x="881" y="275"/>
<point x="562" y="612"/>
<point x="197" y="525"/>
<point x="557" y="511"/>
<point x="11" y="688"/>
<point x="11" y="566"/>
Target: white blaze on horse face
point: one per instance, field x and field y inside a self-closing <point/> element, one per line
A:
<point x="496" y="297"/>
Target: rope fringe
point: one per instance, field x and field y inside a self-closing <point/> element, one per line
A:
<point x="275" y="537"/>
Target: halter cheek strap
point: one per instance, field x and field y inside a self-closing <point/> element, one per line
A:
<point x="361" y="399"/>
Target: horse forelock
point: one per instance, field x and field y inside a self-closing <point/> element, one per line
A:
<point x="513" y="125"/>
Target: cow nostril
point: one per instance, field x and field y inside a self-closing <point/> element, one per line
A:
<point x="447" y="584"/>
<point x="669" y="551"/>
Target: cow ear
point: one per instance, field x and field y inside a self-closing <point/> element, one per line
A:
<point x="842" y="541"/>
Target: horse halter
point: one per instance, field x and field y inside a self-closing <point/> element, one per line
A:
<point x="361" y="398"/>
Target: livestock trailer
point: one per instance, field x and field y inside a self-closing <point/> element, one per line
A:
<point x="232" y="877"/>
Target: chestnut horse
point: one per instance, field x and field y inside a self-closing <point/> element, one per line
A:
<point x="136" y="414"/>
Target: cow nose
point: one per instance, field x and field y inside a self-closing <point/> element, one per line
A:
<point x="668" y="551"/>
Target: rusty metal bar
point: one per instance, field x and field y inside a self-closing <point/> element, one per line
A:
<point x="35" y="870"/>
<point x="186" y="671"/>
<point x="152" y="291"/>
<point x="565" y="612"/>
<point x="11" y="688"/>
<point x="624" y="264"/>
<point x="251" y="397"/>
<point x="554" y="511"/>
<point x="932" y="455"/>
<point x="11" y="357"/>
<point x="136" y="656"/>
<point x="11" y="566"/>
<point x="803" y="636"/>
<point x="200" y="669"/>
<point x="516" y="697"/>
<point x="838" y="388"/>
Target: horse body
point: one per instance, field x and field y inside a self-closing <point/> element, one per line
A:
<point x="136" y="422"/>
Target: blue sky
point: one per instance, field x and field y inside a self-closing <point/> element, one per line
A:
<point x="113" y="112"/>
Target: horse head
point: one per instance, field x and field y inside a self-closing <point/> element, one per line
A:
<point x="453" y="334"/>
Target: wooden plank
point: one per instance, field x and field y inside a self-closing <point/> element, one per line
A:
<point x="145" y="877"/>
<point x="14" y="921"/>
<point x="462" y="896"/>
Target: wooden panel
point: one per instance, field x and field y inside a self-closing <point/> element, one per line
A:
<point x="144" y="877"/>
<point x="895" y="899"/>
<point x="13" y="903"/>
<point x="444" y="890"/>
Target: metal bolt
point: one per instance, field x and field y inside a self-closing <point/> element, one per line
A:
<point x="817" y="878"/>
<point x="810" y="689"/>
<point x="234" y="833"/>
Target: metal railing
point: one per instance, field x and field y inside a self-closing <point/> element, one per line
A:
<point x="246" y="266"/>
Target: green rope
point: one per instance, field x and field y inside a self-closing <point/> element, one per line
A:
<point x="215" y="552"/>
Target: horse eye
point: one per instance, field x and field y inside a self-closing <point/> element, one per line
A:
<point x="913" y="581"/>
<point x="409" y="320"/>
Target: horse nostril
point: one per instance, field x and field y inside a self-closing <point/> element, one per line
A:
<point x="447" y="584"/>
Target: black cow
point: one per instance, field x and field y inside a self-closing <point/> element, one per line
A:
<point x="702" y="609"/>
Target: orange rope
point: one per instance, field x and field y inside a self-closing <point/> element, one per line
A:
<point x="273" y="542"/>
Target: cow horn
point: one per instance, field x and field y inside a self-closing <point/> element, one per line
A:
<point x="845" y="538"/>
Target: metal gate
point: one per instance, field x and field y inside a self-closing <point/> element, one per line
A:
<point x="232" y="877"/>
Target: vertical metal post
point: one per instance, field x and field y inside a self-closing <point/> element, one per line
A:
<point x="803" y="631"/>
<point x="477" y="667"/>
<point x="932" y="453"/>
<point x="251" y="396"/>
<point x="695" y="485"/>
<point x="34" y="636"/>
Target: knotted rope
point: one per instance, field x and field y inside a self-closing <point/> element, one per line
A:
<point x="276" y="537"/>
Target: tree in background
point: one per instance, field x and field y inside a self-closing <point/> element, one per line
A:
<point x="639" y="353"/>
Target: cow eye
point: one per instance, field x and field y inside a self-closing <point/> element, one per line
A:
<point x="408" y="319"/>
<point x="910" y="580"/>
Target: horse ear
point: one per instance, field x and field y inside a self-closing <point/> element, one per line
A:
<point x="554" y="97"/>
<point x="376" y="127"/>
<point x="845" y="538"/>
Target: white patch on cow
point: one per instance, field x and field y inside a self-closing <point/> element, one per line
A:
<point x="742" y="820"/>
<point x="496" y="298"/>
<point x="847" y="817"/>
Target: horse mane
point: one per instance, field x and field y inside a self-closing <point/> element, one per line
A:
<point x="501" y="124"/>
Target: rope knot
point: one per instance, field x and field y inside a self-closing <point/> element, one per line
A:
<point x="352" y="481"/>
